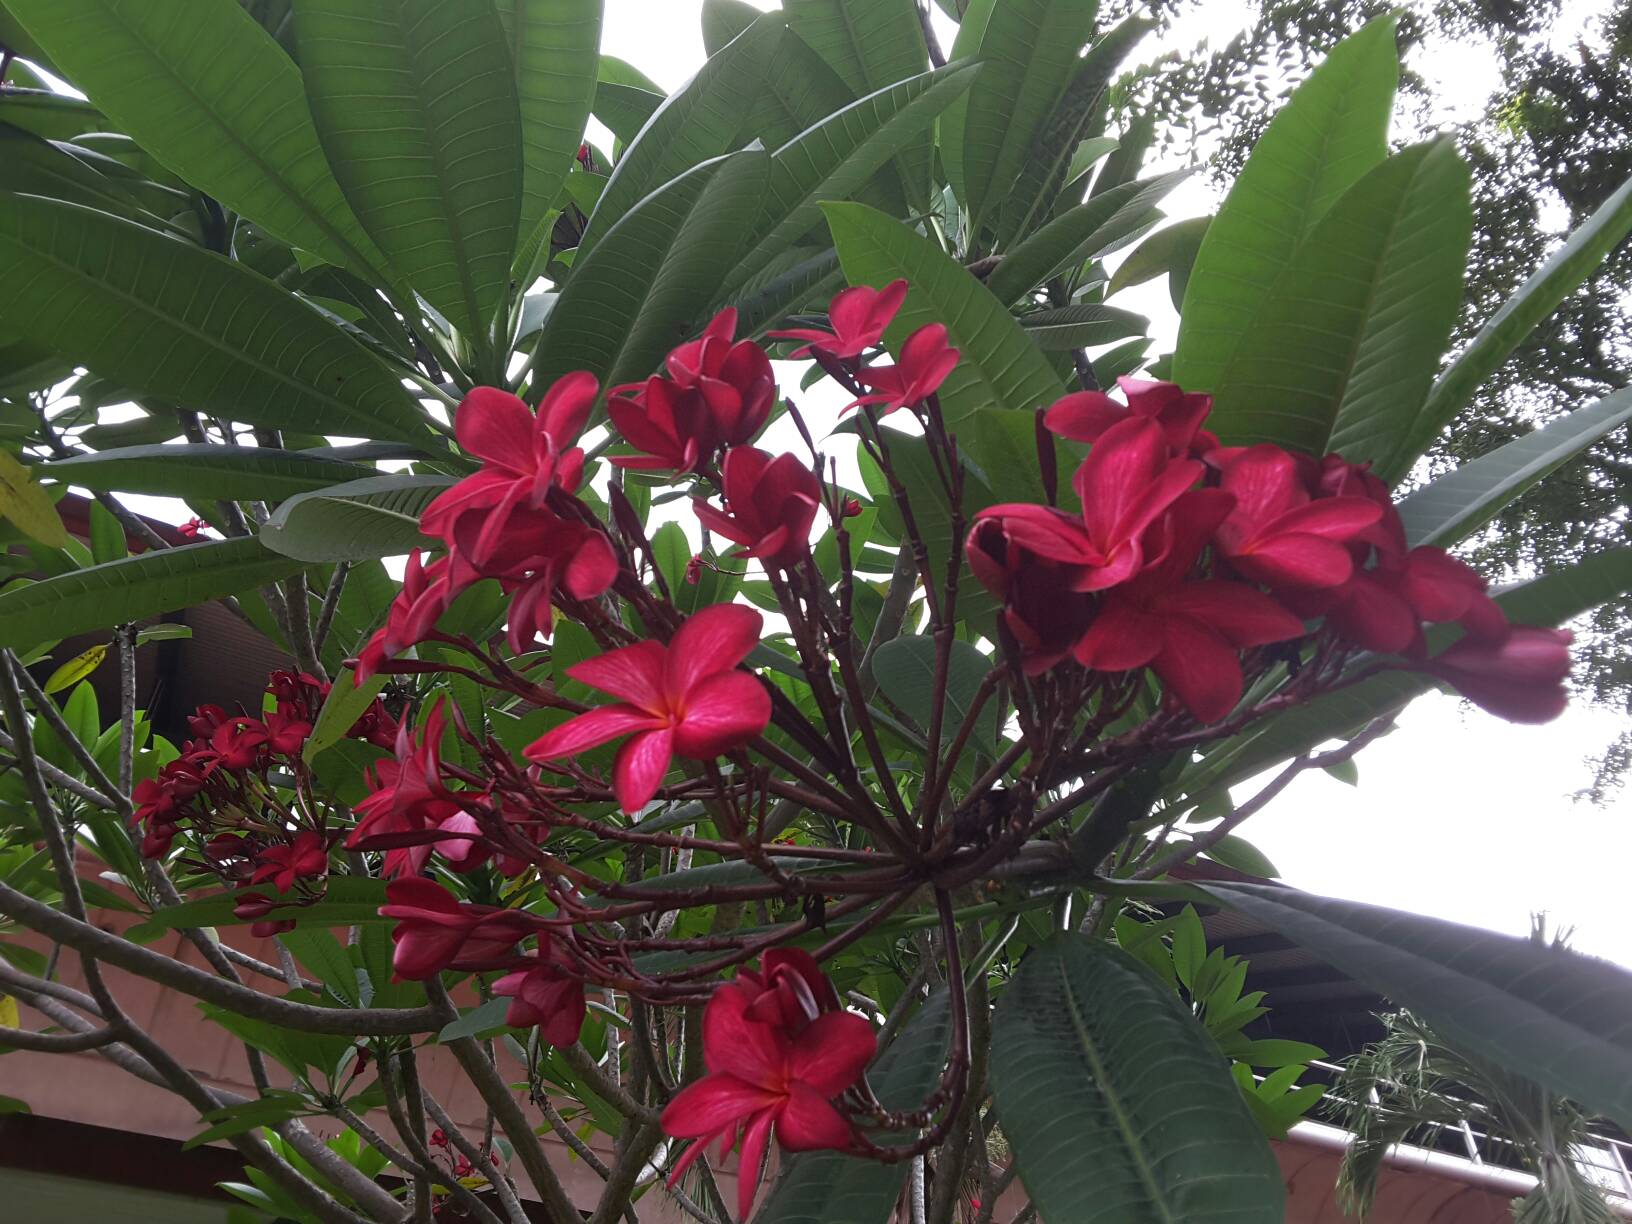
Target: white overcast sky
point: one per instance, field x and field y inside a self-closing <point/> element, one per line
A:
<point x="1457" y="814"/>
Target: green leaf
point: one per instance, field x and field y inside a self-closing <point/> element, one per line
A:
<point x="1084" y="326"/>
<point x="625" y="109"/>
<point x="1116" y="1103"/>
<point x="1331" y="131"/>
<point x="269" y="1110"/>
<point x="347" y="901"/>
<point x="1029" y="50"/>
<point x="762" y="303"/>
<point x="1549" y="600"/>
<point x="143" y="311"/>
<point x="416" y="107"/>
<point x="646" y="285"/>
<point x="321" y="953"/>
<point x="1079" y="234"/>
<point x="838" y="156"/>
<point x="871" y="44"/>
<point x="163" y="580"/>
<point x="999" y="368"/>
<point x="1460" y="502"/>
<point x="28" y="507"/>
<point x="107" y="535"/>
<point x="699" y="121"/>
<point x="1546" y="1013"/>
<point x="218" y="102"/>
<point x="346" y="703"/>
<point x="1347" y="342"/>
<point x="1585" y="249"/>
<point x="553" y="46"/>
<point x="905" y="670"/>
<point x="481" y="1020"/>
<point x="1059" y="154"/>
<point x="377" y="516"/>
<point x="825" y="1187"/>
<point x="203" y="471"/>
<point x="66" y="172"/>
<point x="1171" y="250"/>
<point x="1239" y="853"/>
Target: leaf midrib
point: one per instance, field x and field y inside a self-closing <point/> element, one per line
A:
<point x="1113" y="1101"/>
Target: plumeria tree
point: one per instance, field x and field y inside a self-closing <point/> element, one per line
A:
<point x="774" y="768"/>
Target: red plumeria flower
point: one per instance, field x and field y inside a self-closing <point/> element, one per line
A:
<point x="1278" y="535"/>
<point x="770" y="505"/>
<point x="735" y="380"/>
<point x="435" y="931"/>
<point x="409" y="809"/>
<point x="545" y="993"/>
<point x="1519" y="678"/>
<point x="922" y="367"/>
<point x="789" y="990"/>
<point x="240" y="743"/>
<point x="1085" y="415"/>
<point x="425" y="595"/>
<point x="1126" y="483"/>
<point x="191" y="529"/>
<point x="1190" y="632"/>
<point x="307" y="855"/>
<point x="286" y="732"/>
<point x="523" y="456"/>
<point x="858" y="316"/>
<point x="1041" y="610"/>
<point x="203" y="721"/>
<point x="672" y="428"/>
<point x="686" y="698"/>
<point x="766" y="1078"/>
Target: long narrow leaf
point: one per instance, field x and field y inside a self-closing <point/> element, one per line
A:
<point x="146" y="312"/>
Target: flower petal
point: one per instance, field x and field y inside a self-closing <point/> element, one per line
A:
<point x="497" y="427"/>
<point x="1123" y="636"/>
<point x="722" y="712"/>
<point x="640" y="766"/>
<point x="634" y="673"/>
<point x="832" y="1053"/>
<point x="711" y="1104"/>
<point x="714" y="639"/>
<point x="589" y="730"/>
<point x="1201" y="669"/>
<point x="809" y="1123"/>
<point x="751" y="1163"/>
<point x="735" y="1044"/>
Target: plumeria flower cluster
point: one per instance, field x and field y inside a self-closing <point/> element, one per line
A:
<point x="1173" y="562"/>
<point x="224" y="789"/>
<point x="1185" y="553"/>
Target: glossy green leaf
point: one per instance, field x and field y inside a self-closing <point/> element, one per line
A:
<point x="1084" y="232"/>
<point x="1546" y="1013"/>
<point x="999" y="368"/>
<point x="27" y="506"/>
<point x="202" y="471"/>
<point x="1458" y="503"/>
<point x="1331" y="131"/>
<point x="1171" y="250"/>
<point x="904" y="668"/>
<point x="62" y="171"/>
<point x="206" y="90"/>
<point x="1581" y="254"/>
<point x="135" y="588"/>
<point x="415" y="104"/>
<point x="1074" y="327"/>
<point x="142" y="311"/>
<point x="278" y="1105"/>
<point x="871" y="44"/>
<point x="826" y="1187"/>
<point x="1550" y="600"/>
<point x="346" y="703"/>
<point x="804" y="277"/>
<point x="553" y="46"/>
<point x="347" y="901"/>
<point x="481" y="1020"/>
<point x="1117" y="1103"/>
<point x="1346" y="345"/>
<point x="1059" y="154"/>
<point x="701" y="120"/>
<point x="625" y="108"/>
<point x="1030" y="52"/>
<point x="377" y="516"/>
<point x="646" y="285"/>
<point x="834" y="159"/>
<point x="52" y="116"/>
